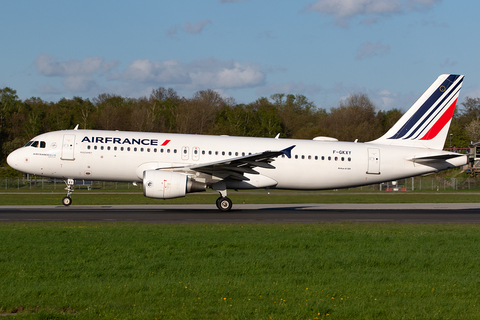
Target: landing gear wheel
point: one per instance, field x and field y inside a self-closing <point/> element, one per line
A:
<point x="67" y="201"/>
<point x="224" y="204"/>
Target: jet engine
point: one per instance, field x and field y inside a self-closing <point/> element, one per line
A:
<point x="167" y="185"/>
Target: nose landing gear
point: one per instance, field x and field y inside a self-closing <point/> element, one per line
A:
<point x="68" y="200"/>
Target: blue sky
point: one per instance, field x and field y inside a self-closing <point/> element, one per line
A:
<point x="392" y="50"/>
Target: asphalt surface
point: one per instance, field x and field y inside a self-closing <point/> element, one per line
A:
<point x="243" y="213"/>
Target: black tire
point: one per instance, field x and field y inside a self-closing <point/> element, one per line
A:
<point x="67" y="201"/>
<point x="224" y="204"/>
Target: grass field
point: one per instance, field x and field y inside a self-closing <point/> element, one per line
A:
<point x="239" y="271"/>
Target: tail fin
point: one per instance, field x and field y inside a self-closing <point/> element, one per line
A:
<point x="426" y="123"/>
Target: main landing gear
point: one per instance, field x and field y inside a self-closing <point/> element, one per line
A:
<point x="223" y="203"/>
<point x="68" y="200"/>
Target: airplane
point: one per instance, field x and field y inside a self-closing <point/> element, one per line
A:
<point x="171" y="165"/>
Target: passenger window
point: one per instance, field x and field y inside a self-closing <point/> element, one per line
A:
<point x="296" y="156"/>
<point x="323" y="158"/>
<point x="336" y="158"/>
<point x="303" y="157"/>
<point x="195" y="151"/>
<point x="141" y="149"/>
<point x="95" y="147"/>
<point x="329" y="158"/>
<point x="108" y="148"/>
<point x="148" y="149"/>
<point x="128" y="148"/>
<point x="101" y="148"/>
<point x="349" y="159"/>
<point x="184" y="151"/>
<point x="155" y="150"/>
<point x="243" y="153"/>
<point x="229" y="153"/>
<point x="168" y="150"/>
<point x="121" y="148"/>
<point x="343" y="159"/>
<point x="216" y="153"/>
<point x="223" y="153"/>
<point x="209" y="153"/>
<point x="115" y="148"/>
<point x="88" y="147"/>
<point x="316" y="157"/>
<point x="161" y="150"/>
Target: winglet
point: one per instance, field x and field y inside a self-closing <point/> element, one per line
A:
<point x="288" y="151"/>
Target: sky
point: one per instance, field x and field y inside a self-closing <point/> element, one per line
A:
<point x="391" y="50"/>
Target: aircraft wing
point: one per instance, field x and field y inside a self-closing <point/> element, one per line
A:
<point x="234" y="168"/>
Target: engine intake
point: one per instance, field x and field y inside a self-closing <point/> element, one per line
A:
<point x="167" y="184"/>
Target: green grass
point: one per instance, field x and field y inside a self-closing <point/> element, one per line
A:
<point x="239" y="271"/>
<point x="242" y="197"/>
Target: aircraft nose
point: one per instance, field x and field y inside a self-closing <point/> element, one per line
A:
<point x="12" y="159"/>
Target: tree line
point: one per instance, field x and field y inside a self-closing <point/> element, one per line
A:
<point x="207" y="112"/>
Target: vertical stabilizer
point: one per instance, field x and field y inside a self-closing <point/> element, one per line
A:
<point x="426" y="123"/>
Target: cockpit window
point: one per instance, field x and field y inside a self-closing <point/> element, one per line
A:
<point x="36" y="144"/>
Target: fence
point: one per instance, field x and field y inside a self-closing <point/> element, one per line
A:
<point x="427" y="183"/>
<point x="38" y="184"/>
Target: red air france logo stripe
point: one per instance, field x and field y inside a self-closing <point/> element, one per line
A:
<point x="165" y="143"/>
<point x="438" y="126"/>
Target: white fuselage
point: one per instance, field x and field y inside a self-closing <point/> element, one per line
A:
<point x="315" y="165"/>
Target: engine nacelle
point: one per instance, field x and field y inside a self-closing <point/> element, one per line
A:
<point x="167" y="185"/>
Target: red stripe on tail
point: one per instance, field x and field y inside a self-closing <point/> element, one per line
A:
<point x="438" y="126"/>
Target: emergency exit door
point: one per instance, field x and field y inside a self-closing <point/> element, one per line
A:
<point x="373" y="161"/>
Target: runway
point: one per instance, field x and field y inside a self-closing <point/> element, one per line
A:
<point x="250" y="213"/>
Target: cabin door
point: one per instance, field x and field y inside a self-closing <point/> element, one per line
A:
<point x="68" y="146"/>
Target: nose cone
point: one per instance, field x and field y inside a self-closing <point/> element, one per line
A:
<point x="13" y="159"/>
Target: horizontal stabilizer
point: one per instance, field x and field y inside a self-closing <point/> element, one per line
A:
<point x="436" y="157"/>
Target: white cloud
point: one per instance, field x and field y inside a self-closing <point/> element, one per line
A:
<point x="368" y="50"/>
<point x="77" y="74"/>
<point x="172" y="31"/>
<point x="196" y="75"/>
<point x="448" y="64"/>
<point x="93" y="74"/>
<point x="47" y="65"/>
<point x="344" y="10"/>
<point x="197" y="27"/>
